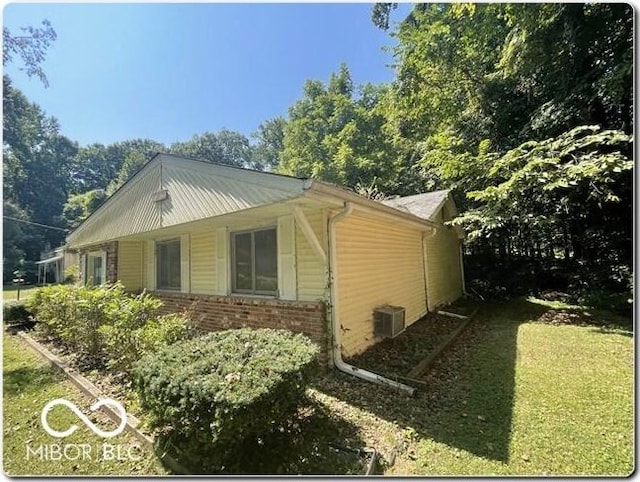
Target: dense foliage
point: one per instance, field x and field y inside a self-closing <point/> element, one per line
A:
<point x="105" y="326"/>
<point x="15" y="312"/>
<point x="216" y="397"/>
<point x="524" y="111"/>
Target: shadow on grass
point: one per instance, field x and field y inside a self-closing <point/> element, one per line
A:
<point x="305" y="446"/>
<point x="599" y="321"/>
<point x="469" y="397"/>
<point x="23" y="380"/>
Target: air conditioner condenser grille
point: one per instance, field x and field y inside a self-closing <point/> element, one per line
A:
<point x="388" y="321"/>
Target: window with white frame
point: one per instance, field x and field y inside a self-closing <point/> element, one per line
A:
<point x="168" y="263"/>
<point x="95" y="272"/>
<point x="254" y="262"/>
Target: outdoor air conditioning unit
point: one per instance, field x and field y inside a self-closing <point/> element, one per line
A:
<point x="388" y="321"/>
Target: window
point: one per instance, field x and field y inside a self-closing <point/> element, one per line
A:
<point x="168" y="264"/>
<point x="96" y="264"/>
<point x="255" y="262"/>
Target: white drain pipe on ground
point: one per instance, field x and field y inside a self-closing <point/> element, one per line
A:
<point x="335" y="322"/>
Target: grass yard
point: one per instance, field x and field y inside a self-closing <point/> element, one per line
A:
<point x="530" y="388"/>
<point x="11" y="292"/>
<point x="30" y="383"/>
<point x="526" y="391"/>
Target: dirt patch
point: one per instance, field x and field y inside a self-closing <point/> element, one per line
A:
<point x="395" y="357"/>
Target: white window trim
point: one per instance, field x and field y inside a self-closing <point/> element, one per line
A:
<point x="156" y="260"/>
<point x="96" y="254"/>
<point x="232" y="258"/>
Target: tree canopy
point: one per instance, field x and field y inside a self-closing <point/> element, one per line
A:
<point x="524" y="111"/>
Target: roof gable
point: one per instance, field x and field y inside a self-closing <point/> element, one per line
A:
<point x="171" y="190"/>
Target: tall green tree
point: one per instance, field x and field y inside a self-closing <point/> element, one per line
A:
<point x="80" y="206"/>
<point x="336" y="133"/>
<point x="96" y="166"/>
<point x="225" y="147"/>
<point x="37" y="157"/>
<point x="522" y="110"/>
<point x="270" y="143"/>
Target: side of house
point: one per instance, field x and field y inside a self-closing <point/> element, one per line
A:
<point x="238" y="248"/>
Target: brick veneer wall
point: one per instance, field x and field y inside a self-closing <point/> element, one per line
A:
<point x="215" y="313"/>
<point x="112" y="258"/>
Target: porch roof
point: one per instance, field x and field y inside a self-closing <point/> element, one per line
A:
<point x="51" y="260"/>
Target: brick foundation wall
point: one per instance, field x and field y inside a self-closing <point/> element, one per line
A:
<point x="215" y="313"/>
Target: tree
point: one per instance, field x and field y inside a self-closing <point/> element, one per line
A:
<point x="587" y="73"/>
<point x="492" y="100"/>
<point x="14" y="237"/>
<point x="225" y="147"/>
<point x="337" y="135"/>
<point x="270" y="143"/>
<point x="80" y="206"/>
<point x="97" y="166"/>
<point x="37" y="158"/>
<point x="512" y="72"/>
<point x="30" y="47"/>
<point x="566" y="198"/>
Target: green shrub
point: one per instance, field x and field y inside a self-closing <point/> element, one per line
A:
<point x="73" y="316"/>
<point x="71" y="274"/>
<point x="15" y="312"/>
<point x="104" y="324"/>
<point x="621" y="303"/>
<point x="134" y="329"/>
<point x="211" y="395"/>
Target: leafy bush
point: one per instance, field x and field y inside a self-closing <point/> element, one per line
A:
<point x="73" y="315"/>
<point x="621" y="303"/>
<point x="71" y="274"/>
<point x="135" y="329"/>
<point x="105" y="324"/>
<point x="15" y="312"/>
<point x="214" y="394"/>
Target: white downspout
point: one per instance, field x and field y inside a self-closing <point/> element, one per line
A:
<point x="464" y="285"/>
<point x="335" y="322"/>
<point x="425" y="264"/>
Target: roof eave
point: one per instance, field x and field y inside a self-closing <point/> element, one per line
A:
<point x="326" y="190"/>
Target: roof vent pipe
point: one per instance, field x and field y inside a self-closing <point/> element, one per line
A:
<point x="335" y="322"/>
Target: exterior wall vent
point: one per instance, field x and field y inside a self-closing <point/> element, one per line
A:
<point x="388" y="321"/>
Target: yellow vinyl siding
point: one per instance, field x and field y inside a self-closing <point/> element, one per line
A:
<point x="203" y="262"/>
<point x="311" y="275"/>
<point x="377" y="264"/>
<point x="443" y="268"/>
<point x="131" y="264"/>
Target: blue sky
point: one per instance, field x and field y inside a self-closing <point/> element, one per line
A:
<point x="169" y="71"/>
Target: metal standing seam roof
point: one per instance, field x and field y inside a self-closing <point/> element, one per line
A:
<point x="171" y="190"/>
<point x="425" y="206"/>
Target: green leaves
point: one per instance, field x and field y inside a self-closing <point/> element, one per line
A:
<point x="545" y="188"/>
<point x="216" y="394"/>
<point x="105" y="325"/>
<point x="337" y="135"/>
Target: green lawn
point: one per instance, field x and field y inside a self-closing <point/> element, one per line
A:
<point x="515" y="396"/>
<point x="30" y="383"/>
<point x="11" y="292"/>
<point x="530" y="388"/>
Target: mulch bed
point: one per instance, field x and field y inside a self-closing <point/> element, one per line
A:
<point x="109" y="385"/>
<point x="395" y="357"/>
